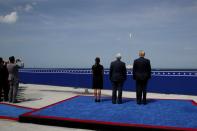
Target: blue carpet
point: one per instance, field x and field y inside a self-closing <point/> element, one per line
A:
<point x="11" y="111"/>
<point x="167" y="113"/>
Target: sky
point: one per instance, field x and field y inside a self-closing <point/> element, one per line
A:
<point x="71" y="33"/>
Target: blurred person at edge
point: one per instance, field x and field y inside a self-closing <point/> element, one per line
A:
<point x="13" y="78"/>
<point x="3" y="80"/>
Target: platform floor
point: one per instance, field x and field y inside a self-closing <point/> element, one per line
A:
<point x="37" y="96"/>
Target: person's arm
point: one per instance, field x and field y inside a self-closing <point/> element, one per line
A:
<point x="125" y="72"/>
<point x="92" y="69"/>
<point x="6" y="72"/>
<point x="110" y="72"/>
<point x="102" y="71"/>
<point x="149" y="68"/>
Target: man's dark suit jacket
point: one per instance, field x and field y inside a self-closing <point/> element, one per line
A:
<point x="3" y="75"/>
<point x="141" y="69"/>
<point x="118" y="71"/>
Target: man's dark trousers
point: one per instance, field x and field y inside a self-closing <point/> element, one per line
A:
<point x="141" y="91"/>
<point x="117" y="86"/>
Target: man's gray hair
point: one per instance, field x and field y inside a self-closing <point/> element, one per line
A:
<point x="118" y="56"/>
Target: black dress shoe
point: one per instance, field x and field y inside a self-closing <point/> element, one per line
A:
<point x="113" y="102"/>
<point x="98" y="100"/>
<point x="144" y="102"/>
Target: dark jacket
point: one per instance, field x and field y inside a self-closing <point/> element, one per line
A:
<point x="3" y="74"/>
<point x="118" y="72"/>
<point x="141" y="69"/>
<point x="97" y="72"/>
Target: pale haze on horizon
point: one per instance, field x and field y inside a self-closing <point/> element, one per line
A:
<point x="71" y="33"/>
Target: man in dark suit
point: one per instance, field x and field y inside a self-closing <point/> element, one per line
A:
<point x="141" y="73"/>
<point x="117" y="75"/>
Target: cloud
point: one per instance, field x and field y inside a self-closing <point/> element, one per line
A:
<point x="25" y="8"/>
<point x="13" y="16"/>
<point x="9" y="18"/>
<point x="28" y="7"/>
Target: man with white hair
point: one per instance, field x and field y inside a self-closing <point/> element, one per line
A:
<point x="141" y="73"/>
<point x="117" y="75"/>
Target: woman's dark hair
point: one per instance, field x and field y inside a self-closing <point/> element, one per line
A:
<point x="97" y="60"/>
<point x="12" y="59"/>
